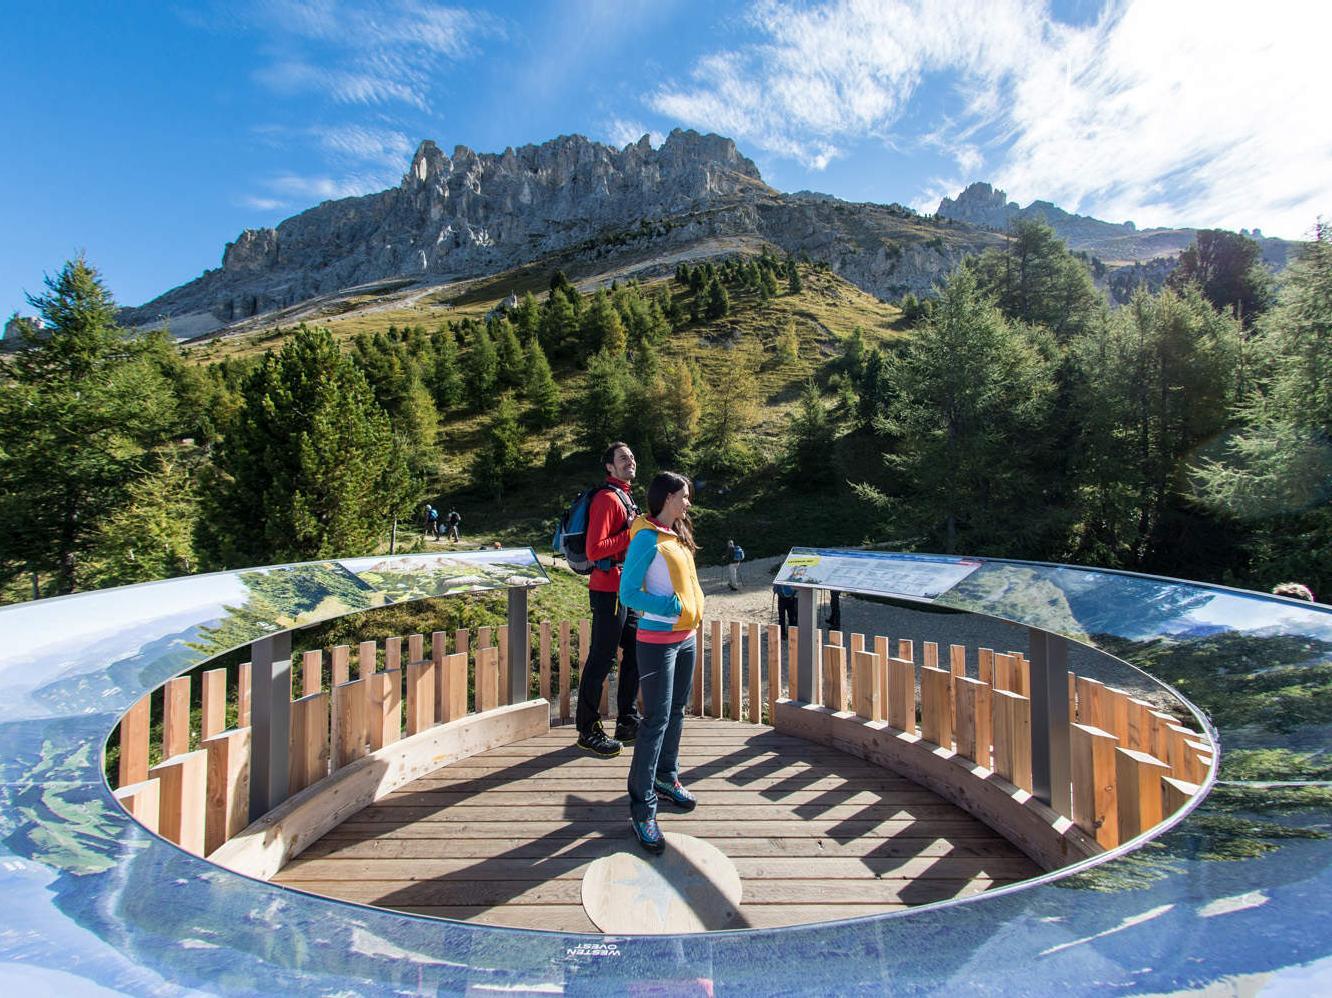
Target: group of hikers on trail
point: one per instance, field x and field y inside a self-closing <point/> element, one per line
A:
<point x="451" y="523"/>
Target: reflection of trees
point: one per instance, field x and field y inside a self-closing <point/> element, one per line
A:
<point x="1126" y="605"/>
<point x="1277" y="682"/>
<point x="280" y="597"/>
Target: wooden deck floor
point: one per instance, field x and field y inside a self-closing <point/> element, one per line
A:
<point x="505" y="837"/>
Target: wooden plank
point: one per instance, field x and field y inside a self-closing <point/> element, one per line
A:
<point x="462" y="640"/>
<point x="1175" y="794"/>
<point x="502" y="643"/>
<point x="985" y="666"/>
<point x="184" y="781"/>
<point x="142" y="799"/>
<point x="755" y="676"/>
<point x="930" y="655"/>
<point x="936" y="705"/>
<point x="308" y="742"/>
<point x="487" y="678"/>
<point x="213" y="703"/>
<point x="866" y="673"/>
<point x="775" y="691"/>
<point x="1093" y="707"/>
<point x="1004" y="669"/>
<point x="227" y="786"/>
<point x="902" y="694"/>
<point x="1092" y="764"/>
<point x="1072" y="696"/>
<point x="243" y="691"/>
<point x="485" y="637"/>
<point x="715" y="673"/>
<point x="835" y="638"/>
<point x="696" y="692"/>
<point x="816" y="666"/>
<point x="1022" y="674"/>
<point x="737" y="657"/>
<point x="564" y="670"/>
<point x="1183" y="761"/>
<point x="543" y="660"/>
<point x="339" y="665"/>
<point x="348" y="722"/>
<point x="176" y="717"/>
<point x="834" y="677"/>
<point x="367" y="659"/>
<point x="421" y="677"/>
<point x="1159" y="724"/>
<point x="392" y="654"/>
<point x="312" y="672"/>
<point x="416" y="647"/>
<point x="1140" y="793"/>
<point x="134" y="735"/>
<point x="1117" y="721"/>
<point x="1139" y="725"/>
<point x="857" y="644"/>
<point x="882" y="646"/>
<point x="439" y="651"/>
<point x="384" y="708"/>
<point x="792" y="660"/>
<point x="957" y="660"/>
<point x="906" y="650"/>
<point x="966" y="704"/>
<point x="1011" y="728"/>
<point x="451" y="680"/>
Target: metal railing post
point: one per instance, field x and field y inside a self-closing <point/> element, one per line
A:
<point x="270" y="721"/>
<point x="807" y="621"/>
<point x="1049" y="720"/>
<point x="520" y="646"/>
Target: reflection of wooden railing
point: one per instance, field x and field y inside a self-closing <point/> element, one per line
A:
<point x="1130" y="764"/>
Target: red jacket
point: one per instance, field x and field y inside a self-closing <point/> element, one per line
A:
<point x="607" y="536"/>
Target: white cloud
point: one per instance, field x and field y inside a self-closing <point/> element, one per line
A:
<point x="385" y="146"/>
<point x="324" y="188"/>
<point x="258" y="203"/>
<point x="1191" y="112"/>
<point x="620" y="133"/>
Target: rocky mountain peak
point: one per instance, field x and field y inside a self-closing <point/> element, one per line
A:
<point x="979" y="204"/>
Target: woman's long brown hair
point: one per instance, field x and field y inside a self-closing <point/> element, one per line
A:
<point x="664" y="484"/>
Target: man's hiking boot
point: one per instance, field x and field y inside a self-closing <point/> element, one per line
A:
<point x="649" y="835"/>
<point x="626" y="731"/>
<point x="596" y="742"/>
<point x="675" y="793"/>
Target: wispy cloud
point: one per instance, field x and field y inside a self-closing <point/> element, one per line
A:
<point x="324" y="188"/>
<point x="620" y="133"/>
<point x="1182" y="113"/>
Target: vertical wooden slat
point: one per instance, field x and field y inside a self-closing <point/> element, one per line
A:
<point x="1139" y="725"/>
<point x="1021" y="674"/>
<point x="1118" y="721"/>
<point x="957" y="659"/>
<point x="367" y="658"/>
<point x="502" y="643"/>
<point x="416" y="647"/>
<point x="936" y="708"/>
<point x="1092" y="771"/>
<point x="774" y="669"/>
<point x="308" y="743"/>
<point x="227" y="793"/>
<point x="184" y="781"/>
<point x="1159" y="726"/>
<point x="421" y="678"/>
<point x="392" y="654"/>
<point x="439" y="651"/>
<point x="564" y="670"/>
<point x="755" y="676"/>
<point x="143" y="800"/>
<point x="985" y="666"/>
<point x="543" y="660"/>
<point x="816" y="666"/>
<point x="348" y="722"/>
<point x="487" y="678"/>
<point x="384" y="703"/>
<point x="902" y="694"/>
<point x="176" y="717"/>
<point x="451" y="680"/>
<point x="930" y="655"/>
<point x="243" y="695"/>
<point x="462" y="641"/>
<point x="882" y="652"/>
<point x="213" y="704"/>
<point x="484" y="637"/>
<point x="134" y="735"/>
<point x="696" y="692"/>
<point x="737" y="655"/>
<point x="1175" y="794"/>
<point x="966" y="701"/>
<point x="836" y="638"/>
<point x="906" y="650"/>
<point x="1182" y="761"/>
<point x="1011" y="727"/>
<point x="1003" y="673"/>
<point x="857" y="644"/>
<point x="339" y="665"/>
<point x="834" y="677"/>
<point x="867" y="677"/>
<point x="792" y="660"/>
<point x="1138" y="778"/>
<point x="1199" y="759"/>
<point x="312" y="672"/>
<point x="715" y="676"/>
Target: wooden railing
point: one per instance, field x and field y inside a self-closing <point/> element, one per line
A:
<point x="1130" y="763"/>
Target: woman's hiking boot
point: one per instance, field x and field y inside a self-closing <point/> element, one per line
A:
<point x="675" y="792"/>
<point x="599" y="743"/>
<point x="649" y="835"/>
<point x="626" y="730"/>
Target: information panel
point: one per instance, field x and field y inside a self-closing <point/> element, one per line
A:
<point x="875" y="573"/>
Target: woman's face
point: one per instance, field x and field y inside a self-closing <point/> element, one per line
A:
<point x="676" y="505"/>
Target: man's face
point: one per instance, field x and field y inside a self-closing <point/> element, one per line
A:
<point x="624" y="467"/>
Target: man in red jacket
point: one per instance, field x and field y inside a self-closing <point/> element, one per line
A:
<point x="609" y="515"/>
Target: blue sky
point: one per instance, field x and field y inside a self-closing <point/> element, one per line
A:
<point x="148" y="134"/>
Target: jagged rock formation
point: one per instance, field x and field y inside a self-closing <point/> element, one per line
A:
<point x="472" y="214"/>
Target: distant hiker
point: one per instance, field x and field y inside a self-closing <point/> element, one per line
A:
<point x="431" y="521"/>
<point x="734" y="555"/>
<point x="453" y="521"/>
<point x="609" y="515"/>
<point x="786" y="606"/>
<point x="660" y="582"/>
<point x="835" y="610"/>
<point x="1294" y="590"/>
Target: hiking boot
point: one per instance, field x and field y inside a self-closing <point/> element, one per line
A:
<point x="596" y="742"/>
<point x="649" y="835"/>
<point x="626" y="731"/>
<point x="675" y="793"/>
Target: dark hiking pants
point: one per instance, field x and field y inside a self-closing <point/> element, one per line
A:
<point x="612" y="627"/>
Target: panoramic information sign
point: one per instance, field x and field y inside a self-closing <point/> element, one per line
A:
<point x="875" y="573"/>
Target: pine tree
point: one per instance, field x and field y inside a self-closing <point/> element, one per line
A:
<point x="604" y="408"/>
<point x="151" y="535"/>
<point x="788" y="342"/>
<point x="512" y="364"/>
<point x="809" y="440"/>
<point x="602" y="328"/>
<point x="501" y="456"/>
<point x="443" y="377"/>
<point x="730" y="408"/>
<point x="309" y="468"/>
<point x="719" y="302"/>
<point x="541" y="389"/>
<point x="793" y="282"/>
<point x="527" y="317"/>
<point x="559" y="326"/>
<point x="768" y="283"/>
<point x="482" y="367"/>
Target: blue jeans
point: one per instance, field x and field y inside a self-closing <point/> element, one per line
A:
<point x="665" y="676"/>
